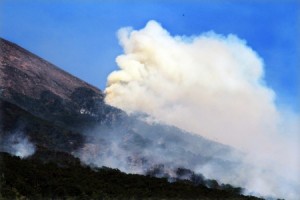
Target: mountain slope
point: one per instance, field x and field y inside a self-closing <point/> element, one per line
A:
<point x="46" y="91"/>
<point x="48" y="112"/>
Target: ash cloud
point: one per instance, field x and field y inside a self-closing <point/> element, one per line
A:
<point x="211" y="85"/>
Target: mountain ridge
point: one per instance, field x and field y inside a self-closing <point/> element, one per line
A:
<point x="36" y="86"/>
<point x="11" y="52"/>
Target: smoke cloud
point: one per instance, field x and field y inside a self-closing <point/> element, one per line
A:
<point x="140" y="145"/>
<point x="17" y="144"/>
<point x="213" y="86"/>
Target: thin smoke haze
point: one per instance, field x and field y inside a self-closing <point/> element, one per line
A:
<point x="211" y="85"/>
<point x="18" y="144"/>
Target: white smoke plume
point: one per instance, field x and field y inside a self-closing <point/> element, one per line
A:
<point x="17" y="144"/>
<point x="211" y="85"/>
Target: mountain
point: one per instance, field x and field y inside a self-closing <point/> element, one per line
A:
<point x="46" y="91"/>
<point x="42" y="100"/>
<point x="49" y="116"/>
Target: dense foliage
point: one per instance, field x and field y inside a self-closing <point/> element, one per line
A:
<point x="33" y="179"/>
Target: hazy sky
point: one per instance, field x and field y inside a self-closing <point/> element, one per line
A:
<point x="80" y="36"/>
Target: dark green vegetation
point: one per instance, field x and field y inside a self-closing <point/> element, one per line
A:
<point x="66" y="178"/>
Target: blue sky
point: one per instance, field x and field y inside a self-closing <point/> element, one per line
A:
<point x="80" y="36"/>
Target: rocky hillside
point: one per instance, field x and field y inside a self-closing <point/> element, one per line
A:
<point x="49" y="105"/>
<point x="48" y="92"/>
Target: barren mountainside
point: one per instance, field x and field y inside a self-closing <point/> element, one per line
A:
<point x="46" y="91"/>
<point x="30" y="75"/>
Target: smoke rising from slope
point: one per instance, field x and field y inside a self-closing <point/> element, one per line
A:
<point x="17" y="144"/>
<point x="212" y="83"/>
<point x="213" y="86"/>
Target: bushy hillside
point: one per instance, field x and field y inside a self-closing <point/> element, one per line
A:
<point x="66" y="178"/>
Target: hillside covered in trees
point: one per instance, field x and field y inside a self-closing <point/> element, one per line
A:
<point x="66" y="178"/>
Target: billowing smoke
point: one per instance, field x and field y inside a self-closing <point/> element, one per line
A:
<point x="213" y="86"/>
<point x="17" y="144"/>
